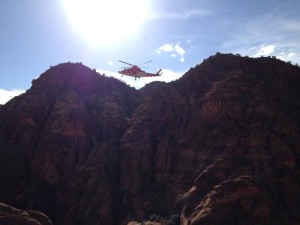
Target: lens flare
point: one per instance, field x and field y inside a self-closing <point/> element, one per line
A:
<point x="106" y="21"/>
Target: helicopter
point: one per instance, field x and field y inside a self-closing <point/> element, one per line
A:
<point x="136" y="72"/>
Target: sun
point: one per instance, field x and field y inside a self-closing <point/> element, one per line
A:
<point x="106" y="21"/>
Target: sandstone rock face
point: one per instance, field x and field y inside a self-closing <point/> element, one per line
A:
<point x="218" y="146"/>
<point x="152" y="88"/>
<point x="60" y="145"/>
<point x="10" y="215"/>
<point x="222" y="142"/>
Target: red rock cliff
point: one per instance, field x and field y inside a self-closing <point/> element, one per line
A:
<point x="218" y="146"/>
<point x="60" y="145"/>
<point x="222" y="142"/>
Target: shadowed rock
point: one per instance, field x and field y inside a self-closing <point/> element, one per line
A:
<point x="218" y="146"/>
<point x="226" y="119"/>
<point x="10" y="215"/>
<point x="60" y="145"/>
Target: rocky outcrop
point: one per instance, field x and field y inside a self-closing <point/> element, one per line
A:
<point x="241" y="200"/>
<point x="60" y="145"/>
<point x="152" y="88"/>
<point x="227" y="121"/>
<point x="218" y="146"/>
<point x="10" y="215"/>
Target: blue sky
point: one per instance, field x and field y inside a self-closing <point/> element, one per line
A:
<point x="175" y="34"/>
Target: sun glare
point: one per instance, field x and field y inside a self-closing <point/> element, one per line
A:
<point x="106" y="21"/>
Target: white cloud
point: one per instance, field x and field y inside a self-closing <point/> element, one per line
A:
<point x="270" y="34"/>
<point x="289" y="55"/>
<point x="176" y="50"/>
<point x="5" y="95"/>
<point x="280" y="50"/>
<point x="181" y="15"/>
<point x="293" y="26"/>
<point x="264" y="50"/>
<point x="180" y="51"/>
<point x="169" y="75"/>
<point x="165" y="48"/>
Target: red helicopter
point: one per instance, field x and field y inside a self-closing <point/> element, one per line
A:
<point x="137" y="72"/>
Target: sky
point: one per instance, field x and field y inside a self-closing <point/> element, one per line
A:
<point x="176" y="35"/>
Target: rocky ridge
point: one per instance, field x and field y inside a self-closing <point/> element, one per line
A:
<point x="10" y="215"/>
<point x="60" y="145"/>
<point x="218" y="146"/>
<point x="229" y="131"/>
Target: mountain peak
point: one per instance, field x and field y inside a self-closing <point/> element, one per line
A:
<point x="219" y="145"/>
<point x="73" y="76"/>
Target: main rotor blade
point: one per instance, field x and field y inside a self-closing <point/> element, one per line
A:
<point x="126" y="63"/>
<point x="145" y="62"/>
